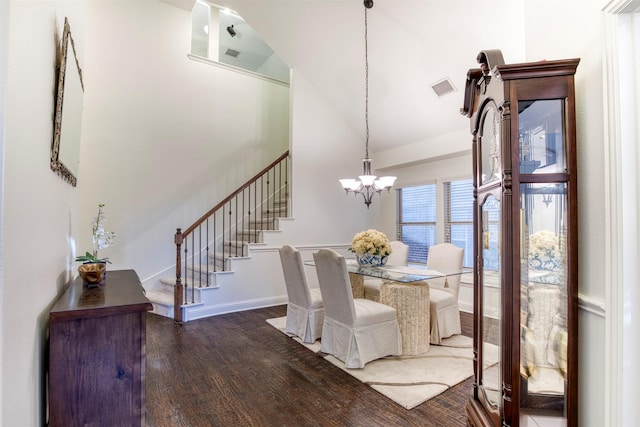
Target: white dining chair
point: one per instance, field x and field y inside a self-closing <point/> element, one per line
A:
<point x="305" y="309"/>
<point x="443" y="292"/>
<point x="355" y="330"/>
<point x="399" y="256"/>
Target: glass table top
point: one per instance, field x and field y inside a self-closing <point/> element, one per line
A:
<point x="397" y="273"/>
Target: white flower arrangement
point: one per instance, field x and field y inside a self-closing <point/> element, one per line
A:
<point x="544" y="244"/>
<point x="371" y="242"/>
<point x="101" y="238"/>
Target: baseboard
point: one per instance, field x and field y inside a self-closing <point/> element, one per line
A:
<point x="194" y="313"/>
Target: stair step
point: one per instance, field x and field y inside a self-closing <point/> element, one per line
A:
<point x="198" y="269"/>
<point x="265" y="217"/>
<point x="253" y="235"/>
<point x="278" y="211"/>
<point x="160" y="297"/>
<point x="274" y="211"/>
<point x="278" y="208"/>
<point x="223" y="256"/>
<point x="234" y="246"/>
<point x="162" y="303"/>
<point x="263" y="224"/>
<point x="165" y="296"/>
<point x="168" y="283"/>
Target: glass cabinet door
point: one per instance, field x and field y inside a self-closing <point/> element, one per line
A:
<point x="543" y="299"/>
<point x="491" y="378"/>
<point x="543" y="261"/>
<point x="541" y="134"/>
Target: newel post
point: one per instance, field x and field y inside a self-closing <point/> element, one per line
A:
<point x="178" y="292"/>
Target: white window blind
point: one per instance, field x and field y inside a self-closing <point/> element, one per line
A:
<point x="458" y="216"/>
<point x="416" y="220"/>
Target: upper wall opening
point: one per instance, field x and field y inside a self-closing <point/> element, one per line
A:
<point x="220" y="34"/>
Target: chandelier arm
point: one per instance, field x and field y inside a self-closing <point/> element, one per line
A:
<point x="367" y="195"/>
<point x="366" y="81"/>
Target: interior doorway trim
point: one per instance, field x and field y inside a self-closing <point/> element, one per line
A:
<point x="621" y="67"/>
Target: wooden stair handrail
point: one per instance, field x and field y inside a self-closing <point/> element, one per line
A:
<point x="211" y="211"/>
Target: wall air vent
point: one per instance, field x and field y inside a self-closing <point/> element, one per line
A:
<point x="443" y="87"/>
<point x="232" y="52"/>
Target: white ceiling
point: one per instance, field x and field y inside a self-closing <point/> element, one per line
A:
<point x="412" y="45"/>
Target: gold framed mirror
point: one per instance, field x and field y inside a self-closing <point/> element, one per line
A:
<point x="65" y="148"/>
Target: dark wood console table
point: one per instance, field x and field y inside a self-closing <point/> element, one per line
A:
<point x="97" y="354"/>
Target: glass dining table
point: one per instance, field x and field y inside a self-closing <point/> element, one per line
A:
<point x="405" y="288"/>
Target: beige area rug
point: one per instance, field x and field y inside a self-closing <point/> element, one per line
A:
<point x="410" y="381"/>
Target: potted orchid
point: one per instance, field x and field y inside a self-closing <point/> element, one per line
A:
<point x="93" y="268"/>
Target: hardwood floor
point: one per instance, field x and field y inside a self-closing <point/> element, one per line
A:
<point x="236" y="370"/>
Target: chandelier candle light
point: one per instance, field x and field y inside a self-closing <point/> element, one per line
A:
<point x="367" y="184"/>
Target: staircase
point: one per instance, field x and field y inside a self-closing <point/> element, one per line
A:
<point x="218" y="264"/>
<point x="206" y="251"/>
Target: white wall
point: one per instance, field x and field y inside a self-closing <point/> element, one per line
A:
<point x="324" y="149"/>
<point x="38" y="208"/>
<point x="165" y="138"/>
<point x="574" y="29"/>
<point x="4" y="54"/>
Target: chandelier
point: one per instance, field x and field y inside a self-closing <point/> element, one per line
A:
<point x="367" y="184"/>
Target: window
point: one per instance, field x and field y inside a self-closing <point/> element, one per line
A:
<point x="416" y="224"/>
<point x="419" y="226"/>
<point x="458" y="216"/>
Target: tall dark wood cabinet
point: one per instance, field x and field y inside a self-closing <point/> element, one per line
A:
<point x="525" y="223"/>
<point x="97" y="354"/>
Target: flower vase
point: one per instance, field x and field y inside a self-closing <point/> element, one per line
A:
<point x="371" y="259"/>
<point x="544" y="263"/>
<point x="93" y="274"/>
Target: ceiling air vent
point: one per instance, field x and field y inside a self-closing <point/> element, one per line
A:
<point x="232" y="52"/>
<point x="443" y="87"/>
